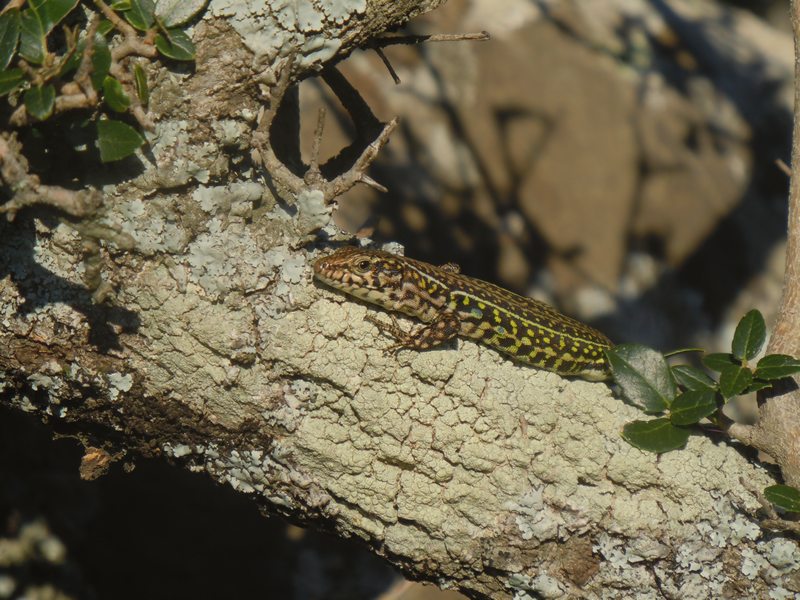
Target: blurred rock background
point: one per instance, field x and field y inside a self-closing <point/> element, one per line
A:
<point x="616" y="158"/>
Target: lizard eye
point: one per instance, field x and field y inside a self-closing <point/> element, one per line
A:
<point x="362" y="265"/>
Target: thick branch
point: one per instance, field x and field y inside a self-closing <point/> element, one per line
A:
<point x="786" y="337"/>
<point x="777" y="432"/>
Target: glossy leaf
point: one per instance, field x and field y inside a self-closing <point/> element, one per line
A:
<point x="785" y="496"/>
<point x="658" y="435"/>
<point x="10" y="80"/>
<point x="175" y="44"/>
<point x="718" y="361"/>
<point x="31" y="37"/>
<point x="40" y="100"/>
<point x="101" y="62"/>
<point x="9" y="36"/>
<point x="116" y="140"/>
<point x="178" y="12"/>
<point x="693" y="378"/>
<point x="121" y="5"/>
<point x="757" y="385"/>
<point x="105" y="27"/>
<point x="141" y="85"/>
<point x="53" y="11"/>
<point x="691" y="406"/>
<point x="734" y="380"/>
<point x="114" y="95"/>
<point x="749" y="336"/>
<point x="643" y="375"/>
<point x="777" y="366"/>
<point x="141" y="14"/>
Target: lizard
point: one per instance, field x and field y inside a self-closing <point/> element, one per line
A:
<point x="452" y="304"/>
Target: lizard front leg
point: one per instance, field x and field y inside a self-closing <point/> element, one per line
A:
<point x="442" y="329"/>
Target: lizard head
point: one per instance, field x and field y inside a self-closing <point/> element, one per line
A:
<point x="364" y="273"/>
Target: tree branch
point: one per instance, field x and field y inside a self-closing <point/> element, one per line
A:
<point x="777" y="432"/>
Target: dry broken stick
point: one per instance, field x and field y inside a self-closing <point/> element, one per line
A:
<point x="390" y="40"/>
<point x="313" y="178"/>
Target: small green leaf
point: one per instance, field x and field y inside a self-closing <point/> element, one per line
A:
<point x="178" y="12"/>
<point x="749" y="336"/>
<point x="658" y="435"/>
<point x="175" y="44"/>
<point x="141" y="14"/>
<point x="121" y="5"/>
<point x="10" y="80"/>
<point x="693" y="378"/>
<point x="733" y="380"/>
<point x="777" y="366"/>
<point x="784" y="496"/>
<point x="643" y="375"/>
<point x="691" y="406"/>
<point x="9" y="36"/>
<point x="105" y="27"/>
<point x="31" y="36"/>
<point x="39" y="101"/>
<point x="718" y="361"/>
<point x="672" y="353"/>
<point x="114" y="95"/>
<point x="53" y="11"/>
<point x="141" y="85"/>
<point x="101" y="62"/>
<point x="757" y="385"/>
<point x="116" y="140"/>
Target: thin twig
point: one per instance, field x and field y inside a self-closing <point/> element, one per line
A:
<point x="261" y="138"/>
<point x="135" y="46"/>
<point x="391" y="40"/>
<point x="357" y="173"/>
<point x="118" y="22"/>
<point x="388" y="65"/>
<point x="355" y="106"/>
<point x="82" y="75"/>
<point x="27" y="189"/>
<point x="781" y="525"/>
<point x="773" y="520"/>
<point x="779" y="162"/>
<point x="317" y="141"/>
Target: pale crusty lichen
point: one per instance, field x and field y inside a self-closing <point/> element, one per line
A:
<point x="312" y="28"/>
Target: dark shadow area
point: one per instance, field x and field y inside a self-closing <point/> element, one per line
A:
<point x="162" y="532"/>
<point x="41" y="287"/>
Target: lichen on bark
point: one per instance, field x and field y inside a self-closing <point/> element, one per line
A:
<point x="220" y="352"/>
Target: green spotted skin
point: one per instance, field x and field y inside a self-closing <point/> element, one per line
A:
<point x="452" y="304"/>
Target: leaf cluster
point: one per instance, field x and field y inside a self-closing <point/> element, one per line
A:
<point x="38" y="67"/>
<point x="682" y="396"/>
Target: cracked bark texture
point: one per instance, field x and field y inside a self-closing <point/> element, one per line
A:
<point x="457" y="465"/>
